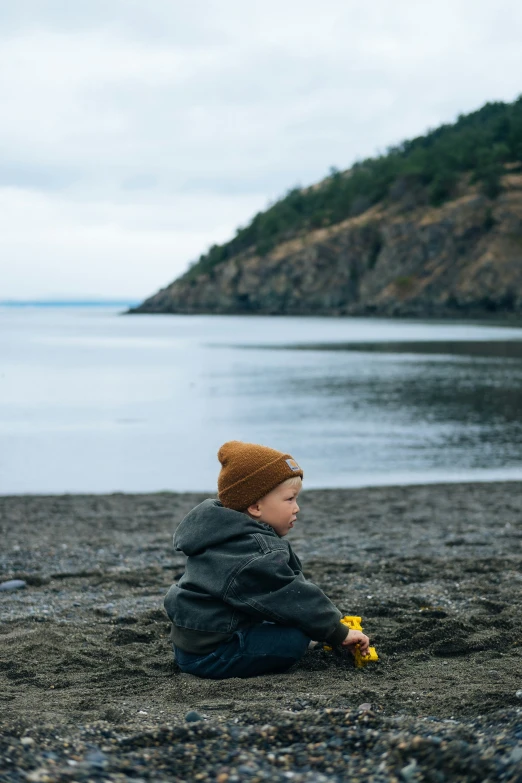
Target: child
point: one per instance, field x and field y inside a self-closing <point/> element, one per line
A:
<point x="243" y="606"/>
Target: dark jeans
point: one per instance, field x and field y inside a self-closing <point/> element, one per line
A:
<point x="260" y="649"/>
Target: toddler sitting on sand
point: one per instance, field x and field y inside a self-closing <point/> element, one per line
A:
<point x="243" y="606"/>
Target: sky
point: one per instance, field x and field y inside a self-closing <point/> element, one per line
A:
<point x="137" y="133"/>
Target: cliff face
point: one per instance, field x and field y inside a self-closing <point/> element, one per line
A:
<point x="463" y="258"/>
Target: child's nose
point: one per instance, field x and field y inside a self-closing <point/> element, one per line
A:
<point x="296" y="507"/>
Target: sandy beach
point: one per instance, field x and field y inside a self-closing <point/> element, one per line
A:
<point x="89" y="689"/>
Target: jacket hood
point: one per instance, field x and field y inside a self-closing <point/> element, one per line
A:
<point x="211" y="524"/>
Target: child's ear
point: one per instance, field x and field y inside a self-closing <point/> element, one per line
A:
<point x="254" y="510"/>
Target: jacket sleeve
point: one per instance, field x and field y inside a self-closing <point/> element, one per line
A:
<point x="268" y="589"/>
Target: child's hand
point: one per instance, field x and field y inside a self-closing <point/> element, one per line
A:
<point x="354" y="639"/>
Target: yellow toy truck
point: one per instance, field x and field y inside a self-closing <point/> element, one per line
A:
<point x="354" y="623"/>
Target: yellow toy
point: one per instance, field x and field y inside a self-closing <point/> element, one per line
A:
<point x="354" y="623"/>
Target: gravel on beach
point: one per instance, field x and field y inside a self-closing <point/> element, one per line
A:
<point x="89" y="689"/>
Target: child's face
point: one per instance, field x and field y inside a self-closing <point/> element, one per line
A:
<point x="278" y="509"/>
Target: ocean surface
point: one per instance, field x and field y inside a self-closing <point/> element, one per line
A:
<point x="93" y="401"/>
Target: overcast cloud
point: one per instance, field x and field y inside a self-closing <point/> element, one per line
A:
<point x="135" y="134"/>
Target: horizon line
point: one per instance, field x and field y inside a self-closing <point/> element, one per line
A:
<point x="67" y="302"/>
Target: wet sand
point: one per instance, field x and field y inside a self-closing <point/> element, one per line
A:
<point x="89" y="689"/>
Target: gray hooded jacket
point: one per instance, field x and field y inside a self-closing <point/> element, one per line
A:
<point x="240" y="572"/>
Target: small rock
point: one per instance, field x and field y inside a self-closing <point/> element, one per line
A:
<point x="192" y="716"/>
<point x="518" y="694"/>
<point x="516" y="755"/>
<point x="364" y="707"/>
<point x="26" y="741"/>
<point x="40" y="775"/>
<point x="12" y="584"/>
<point x="97" y="759"/>
<point x="244" y="769"/>
<point x="409" y="772"/>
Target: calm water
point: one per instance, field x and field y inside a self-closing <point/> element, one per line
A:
<point x="94" y="402"/>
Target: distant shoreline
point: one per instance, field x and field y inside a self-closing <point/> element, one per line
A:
<point x="69" y="303"/>
<point x="131" y="307"/>
<point x="480" y="317"/>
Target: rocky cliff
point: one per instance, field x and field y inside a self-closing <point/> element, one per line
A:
<point x="461" y="258"/>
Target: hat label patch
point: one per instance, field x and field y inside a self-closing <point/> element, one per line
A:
<point x="292" y="464"/>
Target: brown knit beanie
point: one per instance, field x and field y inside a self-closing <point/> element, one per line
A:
<point x="249" y="472"/>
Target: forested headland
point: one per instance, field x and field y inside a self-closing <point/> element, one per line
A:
<point x="432" y="227"/>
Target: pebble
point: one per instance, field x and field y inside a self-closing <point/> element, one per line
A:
<point x="243" y="769"/>
<point x="364" y="707"/>
<point x="518" y="694"/>
<point x="40" y="775"/>
<point x="192" y="716"/>
<point x="409" y="772"/>
<point x="516" y="755"/>
<point x="97" y="759"/>
<point x="12" y="584"/>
